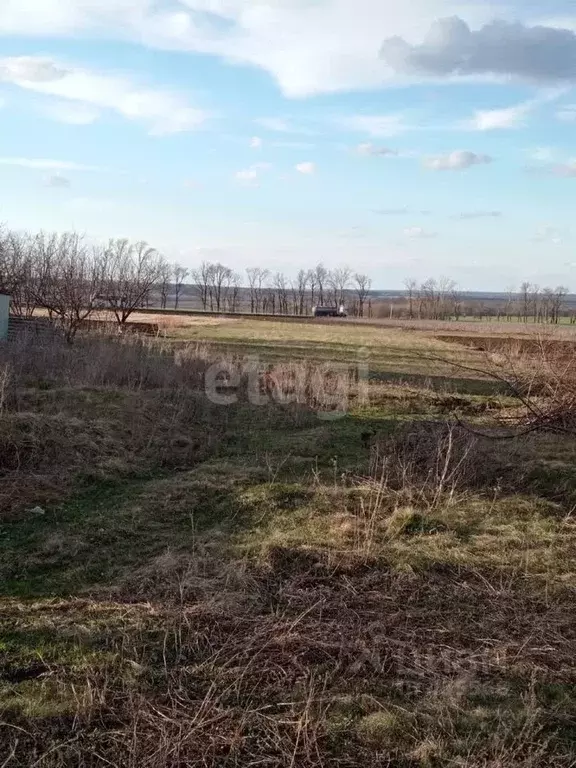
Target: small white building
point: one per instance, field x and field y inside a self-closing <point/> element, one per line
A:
<point x="4" y="315"/>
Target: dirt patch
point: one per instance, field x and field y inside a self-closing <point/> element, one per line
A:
<point x="558" y="348"/>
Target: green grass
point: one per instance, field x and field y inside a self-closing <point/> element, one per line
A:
<point x="279" y="595"/>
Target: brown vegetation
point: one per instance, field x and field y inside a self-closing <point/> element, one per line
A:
<point x="184" y="584"/>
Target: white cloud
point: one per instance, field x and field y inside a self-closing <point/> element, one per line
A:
<point x="30" y="69"/>
<point x="549" y="234"/>
<point x="471" y="215"/>
<point x="306" y="168"/>
<point x="379" y="126"/>
<point x="307" y="46"/>
<point x="510" y="117"/>
<point x="566" y="170"/>
<point x="70" y="113"/>
<point x="371" y="150"/>
<point x="452" y="47"/>
<point x="163" y="111"/>
<point x="456" y="161"/>
<point x="57" y="181"/>
<point x="42" y="164"/>
<point x="250" y="177"/>
<point x="418" y="233"/>
<point x="542" y="154"/>
<point x="494" y="119"/>
<point x="400" y="212"/>
<point x="256" y="142"/>
<point x="275" y="124"/>
<point x="567" y="113"/>
<point x="293" y="144"/>
<point x="283" y="125"/>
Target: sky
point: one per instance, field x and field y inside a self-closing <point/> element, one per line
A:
<point x="407" y="140"/>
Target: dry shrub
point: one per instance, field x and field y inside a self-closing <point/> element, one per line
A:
<point x="98" y="359"/>
<point x="430" y="462"/>
<point x="104" y="407"/>
<point x="110" y="406"/>
<point x="540" y="374"/>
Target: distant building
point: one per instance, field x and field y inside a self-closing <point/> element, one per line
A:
<point x="4" y="315"/>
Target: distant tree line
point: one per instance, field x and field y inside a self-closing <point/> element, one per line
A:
<point x="441" y="300"/>
<point x="70" y="279"/>
<point x="219" y="288"/>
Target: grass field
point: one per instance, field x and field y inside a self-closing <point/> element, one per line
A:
<point x="287" y="580"/>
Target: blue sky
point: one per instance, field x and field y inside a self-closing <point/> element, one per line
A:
<point x="407" y="140"/>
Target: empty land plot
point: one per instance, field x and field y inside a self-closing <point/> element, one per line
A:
<point x="389" y="353"/>
<point x="186" y="583"/>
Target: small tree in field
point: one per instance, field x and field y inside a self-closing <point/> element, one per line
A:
<point x="257" y="278"/>
<point x="219" y="280"/>
<point x="411" y="286"/>
<point x="281" y="289"/>
<point x="339" y="281"/>
<point x="133" y="272"/>
<point x="164" y="283"/>
<point x="363" y="285"/>
<point x="321" y="280"/>
<point x="202" y="277"/>
<point x="180" y="275"/>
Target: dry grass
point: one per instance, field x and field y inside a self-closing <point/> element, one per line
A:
<point x="306" y="333"/>
<point x="109" y="408"/>
<point x="326" y="665"/>
<point x="291" y="592"/>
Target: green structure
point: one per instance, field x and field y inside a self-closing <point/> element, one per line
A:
<point x="4" y="315"/>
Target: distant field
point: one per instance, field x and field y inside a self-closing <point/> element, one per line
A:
<point x="463" y="325"/>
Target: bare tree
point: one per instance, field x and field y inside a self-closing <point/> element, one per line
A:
<point x="301" y="286"/>
<point x="201" y="277"/>
<point x="281" y="292"/>
<point x="428" y="299"/>
<point x="70" y="279"/>
<point x="321" y="281"/>
<point x="339" y="281"/>
<point x="219" y="282"/>
<point x="233" y="296"/>
<point x="546" y="309"/>
<point x="18" y="272"/>
<point x="257" y="278"/>
<point x="525" y="300"/>
<point x="313" y="283"/>
<point x="363" y="285"/>
<point x="535" y="302"/>
<point x="164" y="283"/>
<point x="447" y="298"/>
<point x="180" y="274"/>
<point x="456" y="301"/>
<point x="133" y="271"/>
<point x="411" y="286"/>
<point x="510" y="301"/>
<point x="560" y="294"/>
